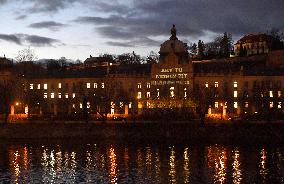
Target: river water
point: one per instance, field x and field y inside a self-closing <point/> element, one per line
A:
<point x="115" y="162"/>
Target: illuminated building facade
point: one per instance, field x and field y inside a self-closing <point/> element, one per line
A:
<point x="222" y="88"/>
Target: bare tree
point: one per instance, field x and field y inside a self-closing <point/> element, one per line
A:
<point x="26" y="55"/>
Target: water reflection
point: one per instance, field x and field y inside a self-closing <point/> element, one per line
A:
<point x="139" y="164"/>
<point x="172" y="163"/>
<point x="237" y="174"/>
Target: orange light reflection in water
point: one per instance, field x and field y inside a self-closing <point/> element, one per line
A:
<point x="186" y="171"/>
<point x="113" y="165"/>
<point x="217" y="161"/>
<point x="237" y="174"/>
<point x="172" y="163"/>
<point x="14" y="157"/>
<point x="262" y="164"/>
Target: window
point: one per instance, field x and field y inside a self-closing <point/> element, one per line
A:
<point x="172" y="93"/>
<point x="121" y="104"/>
<point x="95" y="85"/>
<point x="271" y="94"/>
<point x="216" y="104"/>
<point x="31" y="86"/>
<point x="148" y="104"/>
<point x="130" y="105"/>
<point x="206" y="84"/>
<point x="59" y="85"/>
<point x="235" y="105"/>
<point x="235" y="94"/>
<point x="73" y="95"/>
<point x="51" y="95"/>
<point x="235" y="84"/>
<point x="139" y="95"/>
<point x="88" y="85"/>
<point x="73" y="106"/>
<point x="103" y="85"/>
<point x="59" y="95"/>
<point x="270" y="104"/>
<point x="139" y="85"/>
<point x="81" y="105"/>
<point x="38" y="86"/>
<point x="148" y="85"/>
<point x="216" y="84"/>
<point x="88" y="105"/>
<point x="279" y="105"/>
<point x="148" y="94"/>
<point x="44" y="95"/>
<point x="66" y="95"/>
<point x="246" y="105"/>
<point x="44" y="86"/>
<point x="279" y="93"/>
<point x="158" y="93"/>
<point x="185" y="93"/>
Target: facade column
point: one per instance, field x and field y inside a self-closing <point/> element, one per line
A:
<point x="12" y="110"/>
<point x="126" y="110"/>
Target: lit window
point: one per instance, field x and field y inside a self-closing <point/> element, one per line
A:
<point x="246" y="105"/>
<point x="185" y="93"/>
<point x="59" y="85"/>
<point x="44" y="95"/>
<point x="148" y="85"/>
<point x="95" y="85"/>
<point x="51" y="95"/>
<point x="66" y="95"/>
<point x="81" y="105"/>
<point x="31" y="86"/>
<point x="88" y="105"/>
<point x="261" y="94"/>
<point x="235" y="94"/>
<point x="59" y="95"/>
<point x="148" y="94"/>
<point x="235" y="105"/>
<point x="44" y="86"/>
<point x="38" y="86"/>
<point x="73" y="95"/>
<point x="271" y="104"/>
<point x="235" y="84"/>
<point x="148" y="104"/>
<point x="279" y="105"/>
<point x="279" y="93"/>
<point x="121" y="104"/>
<point x="73" y="106"/>
<point x="88" y="85"/>
<point x="216" y="104"/>
<point x="103" y="85"/>
<point x="271" y="94"/>
<point x="206" y="84"/>
<point x="158" y="92"/>
<point x="216" y="84"/>
<point x="130" y="105"/>
<point x="139" y="85"/>
<point x="139" y="95"/>
<point x="172" y="93"/>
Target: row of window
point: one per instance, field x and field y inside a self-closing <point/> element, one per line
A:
<point x="172" y="93"/>
<point x="246" y="105"/>
<point x="95" y="85"/>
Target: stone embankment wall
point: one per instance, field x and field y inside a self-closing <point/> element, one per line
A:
<point x="160" y="131"/>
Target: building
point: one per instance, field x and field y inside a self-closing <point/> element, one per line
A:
<point x="175" y="87"/>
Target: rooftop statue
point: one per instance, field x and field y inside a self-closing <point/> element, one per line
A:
<point x="173" y="33"/>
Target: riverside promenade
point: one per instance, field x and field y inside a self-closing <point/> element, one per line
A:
<point x="226" y="132"/>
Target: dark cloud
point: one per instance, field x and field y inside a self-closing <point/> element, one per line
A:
<point x="34" y="40"/>
<point x="54" y="26"/>
<point x="193" y="19"/>
<point x="21" y="17"/>
<point x="119" y="44"/>
<point x="49" y="5"/>
<point x="3" y="1"/>
<point x="10" y="38"/>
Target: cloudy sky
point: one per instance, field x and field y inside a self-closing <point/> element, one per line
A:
<point x="77" y="28"/>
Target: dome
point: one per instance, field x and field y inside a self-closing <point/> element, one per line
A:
<point x="176" y="46"/>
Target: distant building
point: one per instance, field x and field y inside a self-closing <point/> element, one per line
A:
<point x="253" y="44"/>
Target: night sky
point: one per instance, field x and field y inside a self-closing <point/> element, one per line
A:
<point x="77" y="28"/>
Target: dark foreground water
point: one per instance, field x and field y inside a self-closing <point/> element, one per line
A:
<point x="66" y="162"/>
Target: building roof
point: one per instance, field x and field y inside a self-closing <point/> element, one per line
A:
<point x="250" y="38"/>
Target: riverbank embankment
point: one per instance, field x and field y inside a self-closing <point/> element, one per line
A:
<point x="135" y="131"/>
